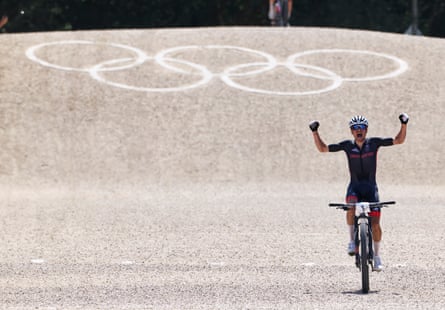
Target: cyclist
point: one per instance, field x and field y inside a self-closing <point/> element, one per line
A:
<point x="362" y="160"/>
<point x="271" y="13"/>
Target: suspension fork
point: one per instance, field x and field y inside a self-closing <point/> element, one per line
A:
<point x="357" y="242"/>
<point x="371" y="241"/>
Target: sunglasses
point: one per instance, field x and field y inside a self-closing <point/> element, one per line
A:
<point x="357" y="127"/>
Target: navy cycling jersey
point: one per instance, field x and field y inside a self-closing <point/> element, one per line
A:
<point x="362" y="162"/>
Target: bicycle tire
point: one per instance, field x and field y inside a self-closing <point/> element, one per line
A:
<point x="364" y="239"/>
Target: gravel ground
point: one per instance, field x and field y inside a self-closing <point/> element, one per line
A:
<point x="213" y="197"/>
<point x="250" y="247"/>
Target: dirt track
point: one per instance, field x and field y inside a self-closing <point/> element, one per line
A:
<point x="116" y="196"/>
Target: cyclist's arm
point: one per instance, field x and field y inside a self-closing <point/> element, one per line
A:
<point x="400" y="137"/>
<point x="338" y="146"/>
<point x="319" y="143"/>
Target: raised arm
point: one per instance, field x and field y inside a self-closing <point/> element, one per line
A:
<point x="400" y="137"/>
<point x="321" y="146"/>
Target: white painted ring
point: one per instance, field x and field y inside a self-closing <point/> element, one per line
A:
<point x="402" y="65"/>
<point x="227" y="76"/>
<point x="336" y="81"/>
<point x="270" y="60"/>
<point x="31" y="54"/>
<point x="206" y="77"/>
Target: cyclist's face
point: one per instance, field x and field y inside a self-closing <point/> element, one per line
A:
<point x="359" y="133"/>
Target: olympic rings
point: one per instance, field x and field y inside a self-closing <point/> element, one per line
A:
<point x="207" y="76"/>
<point x="228" y="75"/>
<point x="402" y="65"/>
<point x="271" y="61"/>
<point x="337" y="81"/>
<point x="31" y="54"/>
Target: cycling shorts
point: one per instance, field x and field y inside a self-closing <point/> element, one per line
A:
<point x="364" y="191"/>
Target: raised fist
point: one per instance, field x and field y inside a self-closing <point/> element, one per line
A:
<point x="314" y="125"/>
<point x="404" y="118"/>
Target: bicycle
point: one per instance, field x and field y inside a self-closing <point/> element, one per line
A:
<point x="281" y="13"/>
<point x="364" y="255"/>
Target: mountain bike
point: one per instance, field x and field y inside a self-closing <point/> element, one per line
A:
<point x="364" y="255"/>
<point x="281" y="13"/>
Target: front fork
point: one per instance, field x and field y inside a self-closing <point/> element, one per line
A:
<point x="357" y="221"/>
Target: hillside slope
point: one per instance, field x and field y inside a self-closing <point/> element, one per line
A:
<point x="174" y="169"/>
<point x="105" y="109"/>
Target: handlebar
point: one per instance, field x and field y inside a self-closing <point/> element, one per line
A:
<point x="346" y="206"/>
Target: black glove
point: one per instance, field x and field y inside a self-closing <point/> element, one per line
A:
<point x="404" y="118"/>
<point x="314" y="125"/>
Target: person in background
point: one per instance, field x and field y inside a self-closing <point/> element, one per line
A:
<point x="271" y="13"/>
<point x="3" y="20"/>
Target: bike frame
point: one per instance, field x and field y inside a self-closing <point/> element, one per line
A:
<point x="363" y="235"/>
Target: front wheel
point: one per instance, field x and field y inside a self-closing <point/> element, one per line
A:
<point x="364" y="239"/>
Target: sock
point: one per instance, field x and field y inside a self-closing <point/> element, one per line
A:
<point x="351" y="232"/>
<point x="376" y="248"/>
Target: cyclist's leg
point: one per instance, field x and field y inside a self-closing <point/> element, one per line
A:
<point x="377" y="238"/>
<point x="289" y="10"/>
<point x="375" y="223"/>
<point x="271" y="13"/>
<point x="376" y="232"/>
<point x="284" y="12"/>
<point x="351" y="197"/>
<point x="350" y="214"/>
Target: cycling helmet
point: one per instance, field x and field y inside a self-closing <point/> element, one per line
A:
<point x="358" y="120"/>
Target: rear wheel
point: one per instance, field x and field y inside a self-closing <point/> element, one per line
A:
<point x="364" y="256"/>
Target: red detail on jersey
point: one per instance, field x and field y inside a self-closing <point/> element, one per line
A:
<point x="364" y="155"/>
